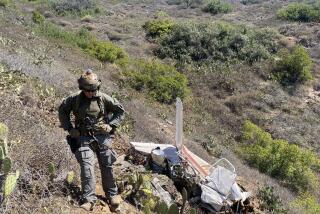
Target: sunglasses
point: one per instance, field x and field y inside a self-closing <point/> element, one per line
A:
<point x="90" y="90"/>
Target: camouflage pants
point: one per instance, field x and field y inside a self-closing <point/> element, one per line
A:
<point x="100" y="145"/>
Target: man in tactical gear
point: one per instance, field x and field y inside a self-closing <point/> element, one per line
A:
<point x="96" y="115"/>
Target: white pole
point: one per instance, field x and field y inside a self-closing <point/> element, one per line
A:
<point x="179" y="124"/>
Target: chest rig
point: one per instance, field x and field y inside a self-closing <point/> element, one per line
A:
<point x="83" y="121"/>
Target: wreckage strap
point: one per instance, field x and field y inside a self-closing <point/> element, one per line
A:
<point x="193" y="161"/>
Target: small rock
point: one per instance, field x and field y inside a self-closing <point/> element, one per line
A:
<point x="87" y="18"/>
<point x="169" y="122"/>
<point x="63" y="23"/>
<point x="90" y="27"/>
<point x="48" y="14"/>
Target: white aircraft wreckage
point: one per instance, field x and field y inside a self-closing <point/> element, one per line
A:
<point x="217" y="188"/>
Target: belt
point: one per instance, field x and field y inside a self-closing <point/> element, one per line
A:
<point x="92" y="133"/>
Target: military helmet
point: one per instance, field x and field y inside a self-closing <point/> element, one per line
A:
<point x="89" y="81"/>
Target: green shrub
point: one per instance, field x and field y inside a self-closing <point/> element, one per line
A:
<point x="102" y="50"/>
<point x="269" y="201"/>
<point x="295" y="166"/>
<point x="307" y="203"/>
<point x="53" y="31"/>
<point x="211" y="146"/>
<point x="187" y="3"/>
<point x="158" y="28"/>
<point x="162" y="82"/>
<point x="217" y="6"/>
<point x="217" y="42"/>
<point x="300" y="12"/>
<point x="294" y="67"/>
<point x="75" y="7"/>
<point x="37" y="17"/>
<point x="105" y="51"/>
<point x="4" y="3"/>
<point x="247" y="2"/>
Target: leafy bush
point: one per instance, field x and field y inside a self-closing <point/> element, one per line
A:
<point x="295" y="166"/>
<point x="270" y="202"/>
<point x="217" y="42"/>
<point x="187" y="3"/>
<point x="247" y="2"/>
<point x="105" y="51"/>
<point x="294" y="67"/>
<point x="217" y="6"/>
<point x="158" y="28"/>
<point x="102" y="50"/>
<point x="307" y="203"/>
<point x="300" y="12"/>
<point x="211" y="146"/>
<point x="37" y="17"/>
<point x="79" y="7"/>
<point x="4" y="3"/>
<point x="163" y="82"/>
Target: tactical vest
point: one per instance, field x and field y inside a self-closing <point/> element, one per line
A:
<point x="80" y="119"/>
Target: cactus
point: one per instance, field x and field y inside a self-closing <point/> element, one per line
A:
<point x="161" y="208"/>
<point x="4" y="146"/>
<point x="184" y="199"/>
<point x="140" y="181"/>
<point x="10" y="179"/>
<point x="192" y="211"/>
<point x="146" y="209"/>
<point x="1" y="154"/>
<point x="173" y="209"/>
<point x="10" y="183"/>
<point x="7" y="165"/>
<point x="3" y="131"/>
<point x="3" y="138"/>
<point x="151" y="203"/>
<point x="51" y="170"/>
<point x="70" y="177"/>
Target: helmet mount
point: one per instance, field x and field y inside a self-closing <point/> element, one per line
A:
<point x="89" y="81"/>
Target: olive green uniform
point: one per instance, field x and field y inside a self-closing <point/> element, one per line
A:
<point x="92" y="116"/>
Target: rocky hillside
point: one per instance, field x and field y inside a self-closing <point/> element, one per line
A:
<point x="247" y="71"/>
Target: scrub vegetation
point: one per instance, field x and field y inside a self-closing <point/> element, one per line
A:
<point x="104" y="51"/>
<point x="161" y="81"/>
<point x="294" y="67"/>
<point x="217" y="6"/>
<point x="209" y="43"/>
<point x="302" y="12"/>
<point x="75" y="7"/>
<point x="295" y="166"/>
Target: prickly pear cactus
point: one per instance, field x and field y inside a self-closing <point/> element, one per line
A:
<point x="1" y="154"/>
<point x="6" y="165"/>
<point x="146" y="210"/>
<point x="3" y="131"/>
<point x="173" y="209"/>
<point x="51" y="170"/>
<point x="184" y="199"/>
<point x="70" y="177"/>
<point x="192" y="211"/>
<point x="162" y="208"/>
<point x="3" y="138"/>
<point x="10" y="179"/>
<point x="10" y="183"/>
